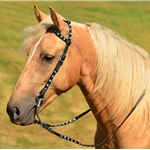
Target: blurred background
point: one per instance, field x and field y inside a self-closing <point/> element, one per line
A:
<point x="129" y="19"/>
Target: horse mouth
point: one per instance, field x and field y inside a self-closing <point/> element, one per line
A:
<point x="30" y="118"/>
<point x="23" y="120"/>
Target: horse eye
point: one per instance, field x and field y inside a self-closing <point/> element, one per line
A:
<point x="47" y="58"/>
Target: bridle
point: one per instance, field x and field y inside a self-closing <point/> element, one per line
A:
<point x="40" y="97"/>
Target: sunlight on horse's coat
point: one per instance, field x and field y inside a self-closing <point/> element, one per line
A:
<point x="111" y="73"/>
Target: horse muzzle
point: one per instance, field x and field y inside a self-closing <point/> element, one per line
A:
<point x="23" y="114"/>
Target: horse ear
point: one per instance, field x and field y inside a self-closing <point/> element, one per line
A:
<point x="55" y="18"/>
<point x="39" y="14"/>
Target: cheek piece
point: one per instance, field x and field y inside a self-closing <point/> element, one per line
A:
<point x="40" y="97"/>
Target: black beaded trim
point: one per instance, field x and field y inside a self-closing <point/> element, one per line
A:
<point x="67" y="122"/>
<point x="40" y="96"/>
<point x="72" y="120"/>
<point x="48" y="128"/>
<point x="51" y="130"/>
<point x="68" y="41"/>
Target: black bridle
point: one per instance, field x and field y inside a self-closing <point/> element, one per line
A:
<point x="40" y="97"/>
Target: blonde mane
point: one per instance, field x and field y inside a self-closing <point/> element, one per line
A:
<point x="34" y="33"/>
<point x="123" y="73"/>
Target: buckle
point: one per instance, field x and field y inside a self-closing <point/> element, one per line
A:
<point x="39" y="100"/>
<point x="62" y="58"/>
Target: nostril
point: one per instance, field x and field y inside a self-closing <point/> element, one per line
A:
<point x="16" y="113"/>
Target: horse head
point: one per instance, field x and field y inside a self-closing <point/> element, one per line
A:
<point x="43" y="53"/>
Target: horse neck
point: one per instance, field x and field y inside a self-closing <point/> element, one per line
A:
<point x="86" y="48"/>
<point x="88" y="54"/>
<point x="101" y="108"/>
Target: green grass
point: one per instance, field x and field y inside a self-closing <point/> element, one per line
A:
<point x="129" y="19"/>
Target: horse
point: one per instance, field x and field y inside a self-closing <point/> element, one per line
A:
<point x="111" y="72"/>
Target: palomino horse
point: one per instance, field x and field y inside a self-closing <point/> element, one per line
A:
<point x="111" y="73"/>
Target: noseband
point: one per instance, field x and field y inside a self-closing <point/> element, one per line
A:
<point x="40" y="97"/>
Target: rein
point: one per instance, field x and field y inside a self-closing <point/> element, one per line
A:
<point x="40" y="99"/>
